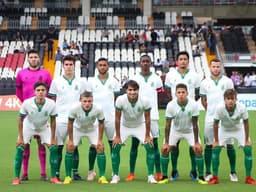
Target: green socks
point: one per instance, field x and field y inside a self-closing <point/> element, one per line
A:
<point x="174" y="158"/>
<point x="215" y="160"/>
<point x="18" y="160"/>
<point x="200" y="165"/>
<point x="150" y="158"/>
<point x="92" y="157"/>
<point x="133" y="153"/>
<point x="248" y="160"/>
<point x="232" y="159"/>
<point x="59" y="158"/>
<point x="157" y="155"/>
<point x="208" y="158"/>
<point x="101" y="160"/>
<point x="75" y="161"/>
<point x="53" y="159"/>
<point x="68" y="163"/>
<point x="115" y="157"/>
<point x="164" y="162"/>
<point x="192" y="159"/>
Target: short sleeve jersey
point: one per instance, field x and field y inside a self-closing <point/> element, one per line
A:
<point x="190" y="78"/>
<point x="132" y="113"/>
<point x="104" y="94"/>
<point x="214" y="90"/>
<point x="231" y="122"/>
<point x="26" y="79"/>
<point x="67" y="92"/>
<point x="84" y="120"/>
<point x="148" y="89"/>
<point x="37" y="116"/>
<point x="181" y="116"/>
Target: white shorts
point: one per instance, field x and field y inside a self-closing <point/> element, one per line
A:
<point x="138" y="132"/>
<point x="43" y="132"/>
<point x="92" y="135"/>
<point x="208" y="134"/>
<point x="176" y="136"/>
<point x="154" y="128"/>
<point x="109" y="125"/>
<point x="226" y="136"/>
<point x="61" y="132"/>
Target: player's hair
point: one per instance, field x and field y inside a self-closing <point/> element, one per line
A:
<point x="145" y="56"/>
<point x="230" y="93"/>
<point x="32" y="51"/>
<point x="102" y="59"/>
<point x="132" y="84"/>
<point x="86" y="94"/>
<point x="40" y="83"/>
<point x="182" y="86"/>
<point x="182" y="53"/>
<point x="215" y="60"/>
<point x="69" y="58"/>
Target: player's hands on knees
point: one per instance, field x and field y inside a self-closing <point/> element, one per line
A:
<point x="70" y="146"/>
<point x="100" y="147"/>
<point x="248" y="143"/>
<point x="215" y="144"/>
<point x="20" y="142"/>
<point x="165" y="149"/>
<point x="198" y="149"/>
<point x="116" y="141"/>
<point x="149" y="140"/>
<point x="53" y="141"/>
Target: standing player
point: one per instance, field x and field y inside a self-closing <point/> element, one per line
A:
<point x="182" y="123"/>
<point x="211" y="90"/>
<point x="182" y="75"/>
<point x="25" y="80"/>
<point x="81" y="123"/>
<point x="105" y="89"/>
<point x="234" y="124"/>
<point x="66" y="90"/>
<point x="150" y="85"/>
<point x="33" y="120"/>
<point x="135" y="113"/>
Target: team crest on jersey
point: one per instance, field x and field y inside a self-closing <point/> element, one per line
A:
<point x="76" y="87"/>
<point x="222" y="88"/>
<point x="46" y="113"/>
<point x="109" y="86"/>
<point x="189" y="81"/>
<point x="152" y="84"/>
<point x="139" y="109"/>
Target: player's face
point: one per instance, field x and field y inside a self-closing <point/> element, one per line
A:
<point x="102" y="67"/>
<point x="33" y="60"/>
<point x="215" y="68"/>
<point x="40" y="92"/>
<point x="181" y="95"/>
<point x="230" y="102"/>
<point x="145" y="63"/>
<point x="183" y="62"/>
<point x="69" y="67"/>
<point x="132" y="93"/>
<point x="86" y="103"/>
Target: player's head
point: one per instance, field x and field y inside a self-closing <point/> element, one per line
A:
<point x="69" y="64"/>
<point x="102" y="65"/>
<point x="40" y="89"/>
<point x="132" y="89"/>
<point x="182" y="59"/>
<point x="86" y="99"/>
<point x="215" y="67"/>
<point x="230" y="97"/>
<point x="145" y="62"/>
<point x="181" y="92"/>
<point x="33" y="59"/>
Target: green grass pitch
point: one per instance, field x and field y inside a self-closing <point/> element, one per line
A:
<point x="183" y="184"/>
